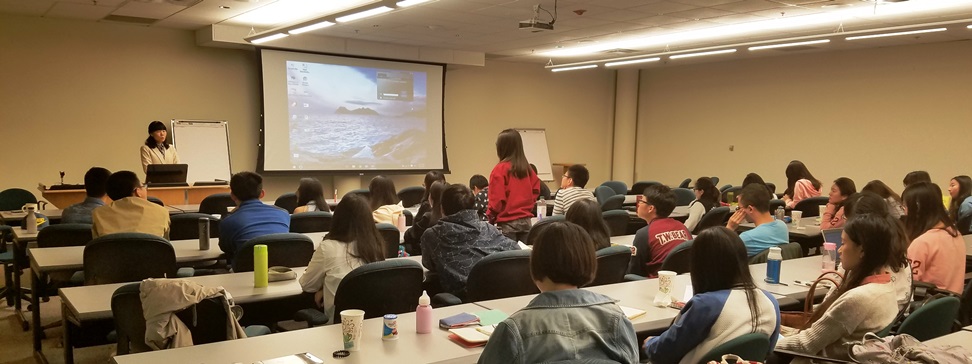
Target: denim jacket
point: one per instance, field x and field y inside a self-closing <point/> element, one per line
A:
<point x="564" y="326"/>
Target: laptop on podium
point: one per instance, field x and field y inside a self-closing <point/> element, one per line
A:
<point x="166" y="175"/>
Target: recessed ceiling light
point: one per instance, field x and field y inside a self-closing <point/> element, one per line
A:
<point x="323" y="24"/>
<point x="632" y="61"/>
<point x="699" y="54"/>
<point x="895" y="34"/>
<point x="224" y="7"/>
<point x="269" y="38"/>
<point x="573" y="68"/>
<point x="784" y="45"/>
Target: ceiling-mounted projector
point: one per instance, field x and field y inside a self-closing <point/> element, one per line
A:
<point x="534" y="25"/>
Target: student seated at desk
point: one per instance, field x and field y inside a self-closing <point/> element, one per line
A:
<point x="587" y="215"/>
<point x="352" y="242"/>
<point x="413" y="236"/>
<point x="572" y="189"/>
<point x="871" y="203"/>
<point x="480" y="188"/>
<point x="755" y="178"/>
<point x="895" y="206"/>
<point x="94" y="188"/>
<point x="960" y="208"/>
<point x="129" y="211"/>
<point x="726" y="304"/>
<point x="833" y="216"/>
<point x="459" y="240"/>
<point x="865" y="301"/>
<point x="706" y="198"/>
<point x="310" y="196"/>
<point x="564" y="322"/>
<point x="937" y="251"/>
<point x="754" y="206"/>
<point x="385" y="206"/>
<point x="652" y="243"/>
<point x="251" y="218"/>
<point x="800" y="184"/>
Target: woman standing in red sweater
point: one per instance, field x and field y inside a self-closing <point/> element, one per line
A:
<point x="513" y="188"/>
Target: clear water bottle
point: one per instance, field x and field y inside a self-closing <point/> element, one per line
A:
<point x="773" y="263"/>
<point x="829" y="257"/>
<point x="780" y="213"/>
<point x="541" y="209"/>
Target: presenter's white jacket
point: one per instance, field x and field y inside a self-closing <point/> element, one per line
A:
<point x="155" y="156"/>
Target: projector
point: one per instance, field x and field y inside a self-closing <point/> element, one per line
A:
<point x="534" y="25"/>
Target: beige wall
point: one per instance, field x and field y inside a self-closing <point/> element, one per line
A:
<point x="865" y="114"/>
<point x="76" y="94"/>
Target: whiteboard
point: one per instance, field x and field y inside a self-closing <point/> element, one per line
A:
<point x="204" y="146"/>
<point x="535" y="148"/>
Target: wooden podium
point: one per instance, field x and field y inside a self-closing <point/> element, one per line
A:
<point x="186" y="195"/>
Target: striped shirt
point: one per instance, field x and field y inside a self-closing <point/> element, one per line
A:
<point x="568" y="196"/>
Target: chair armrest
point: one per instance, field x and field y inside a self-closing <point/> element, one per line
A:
<point x="445" y="299"/>
<point x="312" y="316"/>
<point x="256" y="330"/>
<point x="633" y="277"/>
<point x="808" y="356"/>
<point x="185" y="272"/>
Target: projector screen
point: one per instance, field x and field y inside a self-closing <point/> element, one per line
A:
<point x="330" y="113"/>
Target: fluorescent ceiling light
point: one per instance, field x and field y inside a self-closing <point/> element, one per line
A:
<point x="767" y="27"/>
<point x="269" y="38"/>
<point x="574" y="68"/>
<point x="756" y="48"/>
<point x="323" y="24"/>
<point x="969" y="27"/>
<point x="288" y="11"/>
<point x="897" y="33"/>
<point x="364" y="14"/>
<point x="632" y="61"/>
<point x="407" y="3"/>
<point x="709" y="53"/>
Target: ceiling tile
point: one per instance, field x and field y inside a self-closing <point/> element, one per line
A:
<point x="662" y="8"/>
<point x="71" y="10"/>
<point x="746" y="6"/>
<point x="700" y="13"/>
<point x="707" y="2"/>
<point x="24" y="7"/>
<point x="152" y="10"/>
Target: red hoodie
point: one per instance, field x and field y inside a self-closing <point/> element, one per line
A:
<point x="511" y="198"/>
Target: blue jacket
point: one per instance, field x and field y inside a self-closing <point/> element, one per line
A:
<point x="251" y="219"/>
<point x="575" y="325"/>
<point x="458" y="242"/>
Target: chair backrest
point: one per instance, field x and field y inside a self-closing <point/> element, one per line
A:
<point x="283" y="249"/>
<point x="59" y="235"/>
<point x="15" y="198"/>
<point x="715" y="180"/>
<point x="640" y="186"/>
<point x="615" y="202"/>
<point x="715" y="217"/>
<point x="685" y="183"/>
<point x="964" y="225"/>
<point x="788" y="251"/>
<point x="735" y="194"/>
<point x="186" y="226"/>
<point x="310" y="222"/>
<point x="965" y="312"/>
<point x="724" y="187"/>
<point x="775" y="204"/>
<point x="127" y="257"/>
<point x="683" y="196"/>
<point x="126" y="309"/>
<point x="612" y="265"/>
<point x="379" y="288"/>
<point x="809" y="206"/>
<point x="601" y="193"/>
<point x="411" y="195"/>
<point x="501" y="275"/>
<point x="392" y="237"/>
<point x="287" y="201"/>
<point x="364" y="192"/>
<point x="619" y="187"/>
<point x="617" y="221"/>
<point x="772" y="187"/>
<point x="679" y="259"/>
<point x="932" y="320"/>
<point x="216" y="204"/>
<point x="753" y="346"/>
<point x="155" y="200"/>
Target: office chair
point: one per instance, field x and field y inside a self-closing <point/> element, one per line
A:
<point x="216" y="203"/>
<point x="392" y="237"/>
<point x="683" y="196"/>
<point x="128" y="257"/>
<point x="411" y="196"/>
<point x="310" y="222"/>
<point x="283" y="249"/>
<point x="620" y="188"/>
<point x="715" y="217"/>
<point x="679" y="259"/>
<point x="640" y="186"/>
<point x="612" y="265"/>
<point x="186" y="226"/>
<point x="617" y="221"/>
<point x="287" y="201"/>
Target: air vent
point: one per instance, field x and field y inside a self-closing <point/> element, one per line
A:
<point x="130" y="19"/>
<point x="619" y="51"/>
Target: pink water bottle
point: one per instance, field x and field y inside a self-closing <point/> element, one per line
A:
<point x="423" y="315"/>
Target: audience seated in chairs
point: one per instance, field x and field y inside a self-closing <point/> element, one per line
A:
<point x="129" y="211"/>
<point x="310" y="196"/>
<point x="385" y="205"/>
<point x="754" y="206"/>
<point x="480" y="188"/>
<point x="572" y="189"/>
<point x="94" y="189"/>
<point x="653" y="242"/>
<point x="413" y="236"/>
<point x="587" y="214"/>
<point x="353" y="241"/>
<point x="937" y="250"/>
<point x="563" y="260"/>
<point x="252" y="218"/>
<point x="706" y="198"/>
<point x="459" y="240"/>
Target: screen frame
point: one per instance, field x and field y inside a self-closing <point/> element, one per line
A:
<point x="261" y="150"/>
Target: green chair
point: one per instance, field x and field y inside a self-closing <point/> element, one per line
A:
<point x="789" y="251"/>
<point x="617" y="221"/>
<point x="619" y="187"/>
<point x="752" y="346"/>
<point x="932" y="320"/>
<point x="15" y="198"/>
<point x="685" y="183"/>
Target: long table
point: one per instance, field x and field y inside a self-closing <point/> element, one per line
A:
<point x="168" y="195"/>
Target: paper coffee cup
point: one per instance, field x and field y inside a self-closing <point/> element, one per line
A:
<point x="797" y="216"/>
<point x="351" y="321"/>
<point x="665" y="283"/>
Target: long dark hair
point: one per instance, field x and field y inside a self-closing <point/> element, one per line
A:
<point x="846" y="187"/>
<point x="353" y="223"/>
<point x="923" y="202"/>
<point x="587" y="214"/>
<point x="915" y="177"/>
<point x="509" y="148"/>
<point x="872" y="233"/>
<point x="382" y="192"/>
<point x="710" y="194"/>
<point x="719" y="262"/>
<point x="435" y="201"/>
<point x="796" y="171"/>
<point x="873" y="204"/>
<point x="755" y="178"/>
<point x="310" y="189"/>
<point x="881" y="189"/>
<point x="965" y="190"/>
<point x="430" y="177"/>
